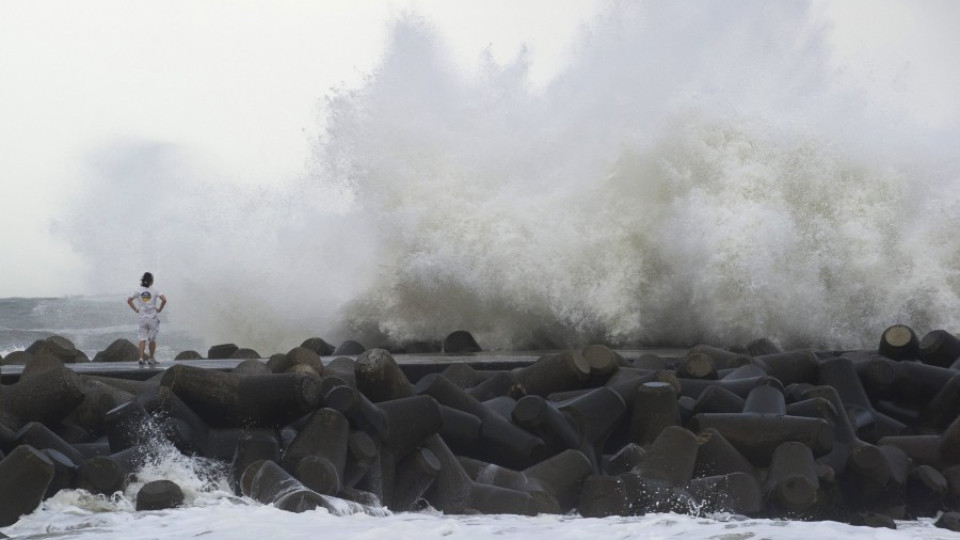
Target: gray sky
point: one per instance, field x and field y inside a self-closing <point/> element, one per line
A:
<point x="237" y="83"/>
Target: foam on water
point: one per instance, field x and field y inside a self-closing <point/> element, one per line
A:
<point x="230" y="520"/>
<point x="211" y="510"/>
<point x="697" y="173"/>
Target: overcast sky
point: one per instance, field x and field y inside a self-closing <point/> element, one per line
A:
<point x="238" y="83"/>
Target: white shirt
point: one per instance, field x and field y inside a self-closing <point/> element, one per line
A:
<point x="145" y="299"/>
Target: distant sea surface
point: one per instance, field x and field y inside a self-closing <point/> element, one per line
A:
<point x="90" y="322"/>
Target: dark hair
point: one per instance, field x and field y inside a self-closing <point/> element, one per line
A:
<point x="147" y="279"/>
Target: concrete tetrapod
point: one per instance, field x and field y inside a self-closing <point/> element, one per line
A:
<point x="500" y="441"/>
<point x="869" y="476"/>
<point x="813" y="448"/>
<point x="717" y="457"/>
<point x="950" y="443"/>
<point x="654" y="409"/>
<point x="739" y="386"/>
<point x="899" y="342"/>
<point x="737" y="493"/>
<point x="756" y="435"/>
<point x="657" y="485"/>
<point x="943" y="407"/>
<point x="400" y="425"/>
<point x="414" y="475"/>
<point x="64" y="472"/>
<point x="317" y="456"/>
<point x="159" y="495"/>
<point x="869" y="423"/>
<point x="792" y="482"/>
<point x="102" y="474"/>
<point x="697" y="366"/>
<point x="251" y="447"/>
<point x="454" y="492"/>
<point x="926" y="491"/>
<point x="722" y="359"/>
<point x="362" y="454"/>
<point x="46" y="397"/>
<point x="562" y="476"/>
<point x="907" y="383"/>
<point x="939" y="348"/>
<point x="627" y="458"/>
<point x="40" y="437"/>
<point x="266" y="482"/>
<point x="603" y="362"/>
<point x="379" y="377"/>
<point x="460" y="341"/>
<point x="790" y="367"/>
<point x="227" y="400"/>
<point x="583" y="423"/>
<point x="24" y="476"/>
<point x="567" y="370"/>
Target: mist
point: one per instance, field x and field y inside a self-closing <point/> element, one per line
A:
<point x="698" y="172"/>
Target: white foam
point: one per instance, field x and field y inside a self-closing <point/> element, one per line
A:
<point x="212" y="511"/>
<point x="697" y="173"/>
<point x="228" y="520"/>
<point x="202" y="481"/>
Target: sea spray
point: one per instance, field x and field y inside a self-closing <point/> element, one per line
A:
<point x="697" y="173"/>
<point x="75" y="512"/>
<point x="203" y="481"/>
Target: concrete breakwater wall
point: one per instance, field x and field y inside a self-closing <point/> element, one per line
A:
<point x="865" y="437"/>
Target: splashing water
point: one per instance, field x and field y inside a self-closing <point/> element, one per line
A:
<point x="205" y="483"/>
<point x="698" y="173"/>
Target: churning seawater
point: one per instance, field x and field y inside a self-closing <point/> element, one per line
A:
<point x="699" y="172"/>
<point x="213" y="512"/>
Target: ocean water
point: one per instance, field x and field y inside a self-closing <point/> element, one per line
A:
<point x="229" y="520"/>
<point x="212" y="511"/>
<point x="91" y="323"/>
<point x="699" y="173"/>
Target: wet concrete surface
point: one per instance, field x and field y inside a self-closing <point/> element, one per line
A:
<point x="414" y="365"/>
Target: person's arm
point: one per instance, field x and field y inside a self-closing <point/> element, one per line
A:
<point x="133" y="307"/>
<point x="163" y="302"/>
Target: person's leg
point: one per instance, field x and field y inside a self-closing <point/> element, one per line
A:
<point x="143" y="332"/>
<point x="154" y="330"/>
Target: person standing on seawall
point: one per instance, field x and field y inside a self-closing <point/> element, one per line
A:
<point x="146" y="305"/>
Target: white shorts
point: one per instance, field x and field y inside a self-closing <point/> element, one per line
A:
<point x="149" y="328"/>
